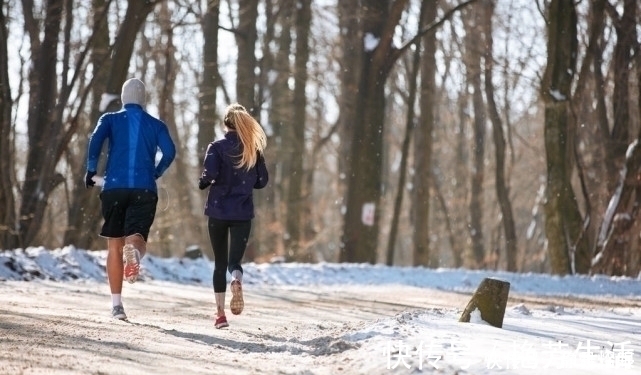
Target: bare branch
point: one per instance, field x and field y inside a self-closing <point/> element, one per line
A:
<point x="448" y="15"/>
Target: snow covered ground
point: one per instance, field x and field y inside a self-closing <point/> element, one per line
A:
<point x="324" y="318"/>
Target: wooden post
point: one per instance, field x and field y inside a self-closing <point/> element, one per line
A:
<point x="490" y="299"/>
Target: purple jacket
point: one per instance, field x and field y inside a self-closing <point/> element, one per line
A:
<point x="231" y="195"/>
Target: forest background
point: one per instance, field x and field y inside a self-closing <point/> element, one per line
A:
<point x="495" y="134"/>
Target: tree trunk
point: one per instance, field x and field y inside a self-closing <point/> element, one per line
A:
<point x="281" y="118"/>
<point x="360" y="227"/>
<point x="361" y="230"/>
<point x="263" y="236"/>
<point x="613" y="255"/>
<point x="563" y="222"/>
<point x="246" y="42"/>
<point x="363" y="197"/>
<point x="276" y="70"/>
<point x="423" y="144"/>
<point x="615" y="235"/>
<point x="405" y="148"/>
<point x="8" y="238"/>
<point x="210" y="80"/>
<point x="634" y="261"/>
<point x="352" y="55"/>
<point x="137" y="12"/>
<point x="457" y="248"/>
<point x="208" y="118"/>
<point x="349" y="14"/>
<point x="625" y="27"/>
<point x="295" y="196"/>
<point x="473" y="46"/>
<point x="588" y="107"/>
<point x="460" y="191"/>
<point x="84" y="211"/>
<point x="44" y="133"/>
<point x="502" y="188"/>
<point x="617" y="251"/>
<point x="181" y="227"/>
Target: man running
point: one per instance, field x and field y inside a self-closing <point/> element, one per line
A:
<point x="129" y="193"/>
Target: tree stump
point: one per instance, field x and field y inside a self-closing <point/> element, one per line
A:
<point x="490" y="298"/>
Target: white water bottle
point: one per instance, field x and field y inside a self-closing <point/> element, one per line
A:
<point x="99" y="180"/>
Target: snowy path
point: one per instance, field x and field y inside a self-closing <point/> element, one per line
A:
<point x="65" y="328"/>
<point x="53" y="327"/>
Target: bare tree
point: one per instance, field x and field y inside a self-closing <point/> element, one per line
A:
<point x="180" y="229"/>
<point x="246" y="36"/>
<point x="363" y="195"/>
<point x="8" y="238"/>
<point x="423" y="145"/>
<point x="352" y="54"/>
<point x="457" y="249"/>
<point x="361" y="224"/>
<point x="498" y="135"/>
<point x="210" y="80"/>
<point x="473" y="52"/>
<point x="281" y="120"/>
<point x="563" y="221"/>
<point x="84" y="210"/>
<point x="590" y="143"/>
<point x="460" y="192"/>
<point x="45" y="133"/>
<point x="616" y="237"/>
<point x="295" y="195"/>
<point x="405" y="147"/>
<point x="625" y="26"/>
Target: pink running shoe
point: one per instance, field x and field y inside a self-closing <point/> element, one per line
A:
<point x="236" y="304"/>
<point x="221" y="322"/>
<point x="131" y="259"/>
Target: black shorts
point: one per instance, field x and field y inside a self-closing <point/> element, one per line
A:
<point x="127" y="212"/>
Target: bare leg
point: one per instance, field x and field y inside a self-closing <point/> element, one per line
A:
<point x="138" y="242"/>
<point x="114" y="264"/>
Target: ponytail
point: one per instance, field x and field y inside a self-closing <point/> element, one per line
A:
<point x="251" y="134"/>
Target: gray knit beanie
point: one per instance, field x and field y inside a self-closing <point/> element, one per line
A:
<point x="133" y="91"/>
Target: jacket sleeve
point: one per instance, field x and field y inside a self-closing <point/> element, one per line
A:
<point x="261" y="170"/>
<point x="211" y="165"/>
<point x="97" y="138"/>
<point x="168" y="150"/>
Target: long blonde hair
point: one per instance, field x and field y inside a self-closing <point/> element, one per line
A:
<point x="251" y="134"/>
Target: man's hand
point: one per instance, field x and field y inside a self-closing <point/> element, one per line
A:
<point x="89" y="182"/>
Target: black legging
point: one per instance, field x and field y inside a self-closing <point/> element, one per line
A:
<point x="227" y="253"/>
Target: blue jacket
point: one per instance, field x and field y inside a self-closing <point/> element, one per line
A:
<point x="231" y="194"/>
<point x="134" y="137"/>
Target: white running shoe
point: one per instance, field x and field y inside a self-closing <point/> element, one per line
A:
<point x="131" y="259"/>
<point x="237" y="303"/>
